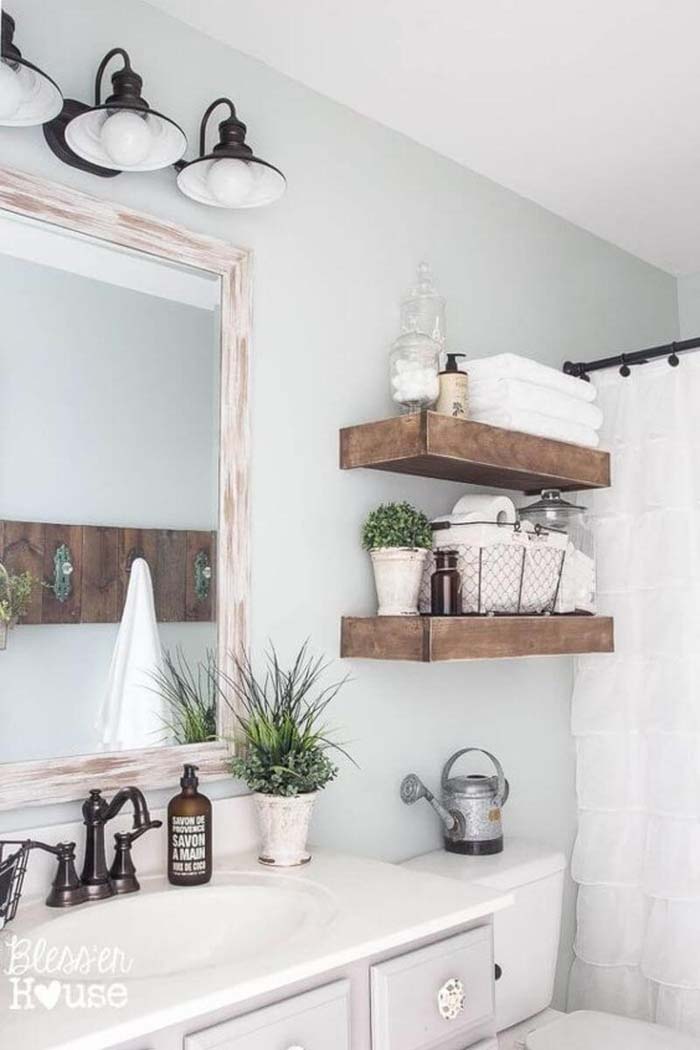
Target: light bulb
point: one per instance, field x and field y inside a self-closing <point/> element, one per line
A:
<point x="126" y="138"/>
<point x="230" y="181"/>
<point x="11" y="92"/>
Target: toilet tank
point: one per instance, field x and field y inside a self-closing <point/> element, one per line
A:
<point x="526" y="935"/>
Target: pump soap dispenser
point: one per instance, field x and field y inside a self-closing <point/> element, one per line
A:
<point x="189" y="834"/>
<point x="453" y="399"/>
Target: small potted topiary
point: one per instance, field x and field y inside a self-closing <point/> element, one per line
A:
<point x="398" y="538"/>
<point x="15" y="593"/>
<point x="284" y="752"/>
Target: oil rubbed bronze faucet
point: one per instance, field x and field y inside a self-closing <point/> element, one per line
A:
<point x="97" y="812"/>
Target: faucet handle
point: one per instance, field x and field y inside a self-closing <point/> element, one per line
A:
<point x="122" y="874"/>
<point x="66" y="888"/>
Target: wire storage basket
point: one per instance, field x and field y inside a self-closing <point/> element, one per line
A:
<point x="13" y="868"/>
<point x="506" y="569"/>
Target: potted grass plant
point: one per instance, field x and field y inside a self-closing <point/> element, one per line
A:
<point x="286" y="748"/>
<point x="398" y="538"/>
<point x="15" y="593"/>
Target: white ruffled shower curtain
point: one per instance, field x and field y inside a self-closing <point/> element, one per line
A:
<point x="636" y="714"/>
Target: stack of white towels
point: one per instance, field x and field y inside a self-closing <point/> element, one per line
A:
<point x="511" y="391"/>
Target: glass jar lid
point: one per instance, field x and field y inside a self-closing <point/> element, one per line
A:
<point x="551" y="507"/>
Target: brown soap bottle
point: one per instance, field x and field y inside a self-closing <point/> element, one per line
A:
<point x="189" y="834"/>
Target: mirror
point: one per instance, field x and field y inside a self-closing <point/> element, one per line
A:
<point x="113" y="371"/>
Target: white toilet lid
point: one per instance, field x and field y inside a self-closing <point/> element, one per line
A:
<point x="589" y="1030"/>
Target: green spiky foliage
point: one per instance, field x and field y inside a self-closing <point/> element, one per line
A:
<point x="15" y="593"/>
<point x="396" y="525"/>
<point x="286" y="741"/>
<point x="191" y="695"/>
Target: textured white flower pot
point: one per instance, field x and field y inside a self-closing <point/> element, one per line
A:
<point x="284" y="828"/>
<point x="398" y="572"/>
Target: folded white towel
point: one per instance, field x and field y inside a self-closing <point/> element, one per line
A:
<point x="515" y="395"/>
<point x="537" y="423"/>
<point x="514" y="366"/>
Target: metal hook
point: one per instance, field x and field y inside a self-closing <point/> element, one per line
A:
<point x="625" y="369"/>
<point x="673" y="359"/>
<point x="131" y="557"/>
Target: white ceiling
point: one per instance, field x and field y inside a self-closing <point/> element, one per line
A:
<point x="589" y="107"/>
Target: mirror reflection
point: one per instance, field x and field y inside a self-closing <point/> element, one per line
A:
<point x="109" y="447"/>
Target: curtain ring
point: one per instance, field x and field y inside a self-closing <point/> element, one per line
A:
<point x="673" y="358"/>
<point x="625" y="370"/>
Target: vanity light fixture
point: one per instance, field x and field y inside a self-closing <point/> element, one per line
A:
<point x="121" y="134"/>
<point x="27" y="95"/>
<point x="230" y="176"/>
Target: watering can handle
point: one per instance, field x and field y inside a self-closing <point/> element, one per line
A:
<point x="503" y="786"/>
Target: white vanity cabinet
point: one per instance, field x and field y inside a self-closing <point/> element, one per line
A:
<point x="434" y="996"/>
<point x="315" y="1020"/>
<point x="437" y="994"/>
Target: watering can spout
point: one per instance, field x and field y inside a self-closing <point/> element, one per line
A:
<point x="413" y="788"/>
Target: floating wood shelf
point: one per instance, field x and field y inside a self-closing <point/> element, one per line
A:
<point x="437" y="446"/>
<point x="428" y="638"/>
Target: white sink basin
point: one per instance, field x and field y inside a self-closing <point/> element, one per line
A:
<point x="168" y="930"/>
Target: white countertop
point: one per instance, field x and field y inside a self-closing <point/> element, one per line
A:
<point x="372" y="907"/>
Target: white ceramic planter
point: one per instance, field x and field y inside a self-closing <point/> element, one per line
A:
<point x="284" y="828"/>
<point x="398" y="572"/>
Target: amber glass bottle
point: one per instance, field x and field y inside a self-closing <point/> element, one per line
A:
<point x="446" y="585"/>
<point x="189" y="834"/>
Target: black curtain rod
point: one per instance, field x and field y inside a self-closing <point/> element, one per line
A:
<point x="580" y="369"/>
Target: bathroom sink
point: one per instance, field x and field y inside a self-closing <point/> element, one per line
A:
<point x="164" y="930"/>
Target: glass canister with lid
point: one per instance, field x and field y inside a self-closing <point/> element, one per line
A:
<point x="577" y="592"/>
<point x="414" y="363"/>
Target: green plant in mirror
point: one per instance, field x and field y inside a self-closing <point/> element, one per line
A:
<point x="15" y="594"/>
<point x="191" y="694"/>
<point x="286" y="741"/>
<point x="396" y="525"/>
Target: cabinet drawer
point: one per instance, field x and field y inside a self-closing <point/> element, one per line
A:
<point x="318" y="1020"/>
<point x="434" y="994"/>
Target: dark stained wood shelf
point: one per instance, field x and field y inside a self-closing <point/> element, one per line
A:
<point x="436" y="446"/>
<point x="428" y="639"/>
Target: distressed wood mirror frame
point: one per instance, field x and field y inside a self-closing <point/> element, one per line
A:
<point x="68" y="779"/>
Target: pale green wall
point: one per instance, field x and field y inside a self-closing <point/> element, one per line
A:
<point x="364" y="206"/>
<point x="689" y="306"/>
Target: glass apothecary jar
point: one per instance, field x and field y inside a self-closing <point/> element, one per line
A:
<point x="423" y="310"/>
<point x="578" y="584"/>
<point x="414" y="365"/>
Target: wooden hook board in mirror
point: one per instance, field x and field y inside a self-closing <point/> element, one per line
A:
<point x="99" y="562"/>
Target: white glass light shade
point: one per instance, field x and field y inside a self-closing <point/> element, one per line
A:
<point x="126" y="138"/>
<point x="229" y="182"/>
<point x="27" y="96"/>
<point x="157" y="145"/>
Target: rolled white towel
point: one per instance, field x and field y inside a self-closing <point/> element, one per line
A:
<point x="515" y="395"/>
<point x="515" y="366"/>
<point x="539" y="424"/>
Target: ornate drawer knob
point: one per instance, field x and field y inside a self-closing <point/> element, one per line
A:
<point x="451" y="999"/>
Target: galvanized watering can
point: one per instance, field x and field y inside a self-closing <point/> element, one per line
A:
<point x="470" y="806"/>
